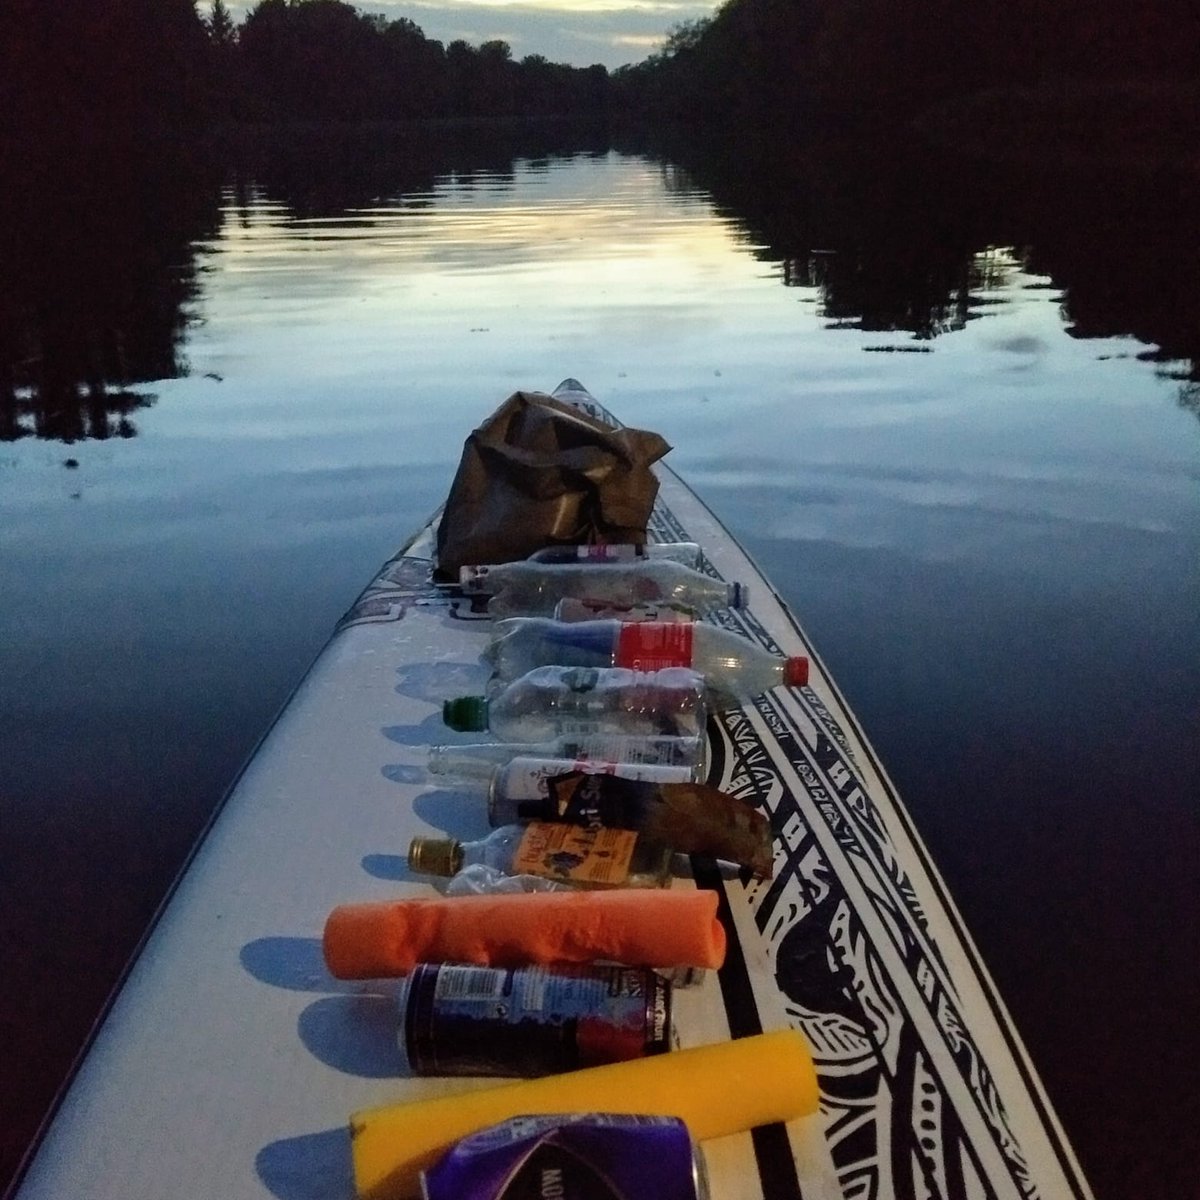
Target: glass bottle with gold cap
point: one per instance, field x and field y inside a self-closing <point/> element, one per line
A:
<point x="571" y="854"/>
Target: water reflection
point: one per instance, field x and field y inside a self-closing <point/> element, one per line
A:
<point x="900" y="236"/>
<point x="105" y="244"/>
<point x="96" y="277"/>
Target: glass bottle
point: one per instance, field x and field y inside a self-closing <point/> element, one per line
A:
<point x="594" y="857"/>
<point x="691" y="818"/>
<point x="527" y="779"/>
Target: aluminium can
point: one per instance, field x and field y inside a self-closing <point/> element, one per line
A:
<point x="578" y="1156"/>
<point x="530" y="1021"/>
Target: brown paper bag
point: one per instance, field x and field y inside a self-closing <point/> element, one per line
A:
<point x="539" y="472"/>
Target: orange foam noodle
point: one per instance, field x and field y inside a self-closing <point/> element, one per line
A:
<point x="717" y="1090"/>
<point x="638" y="926"/>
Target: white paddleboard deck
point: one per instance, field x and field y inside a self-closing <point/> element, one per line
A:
<point x="230" y="1060"/>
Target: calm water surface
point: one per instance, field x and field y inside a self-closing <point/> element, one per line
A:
<point x="988" y="522"/>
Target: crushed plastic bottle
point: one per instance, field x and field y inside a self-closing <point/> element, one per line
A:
<point x="533" y="588"/>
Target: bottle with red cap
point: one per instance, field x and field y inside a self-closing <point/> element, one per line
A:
<point x="734" y="668"/>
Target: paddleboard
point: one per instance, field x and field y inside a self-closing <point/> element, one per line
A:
<point x="229" y="1060"/>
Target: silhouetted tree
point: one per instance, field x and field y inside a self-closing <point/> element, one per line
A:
<point x="101" y="65"/>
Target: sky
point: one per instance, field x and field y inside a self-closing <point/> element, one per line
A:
<point x="580" y="32"/>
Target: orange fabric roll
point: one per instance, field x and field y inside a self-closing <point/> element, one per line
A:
<point x="638" y="926"/>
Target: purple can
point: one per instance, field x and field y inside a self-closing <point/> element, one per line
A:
<point x="572" y="1156"/>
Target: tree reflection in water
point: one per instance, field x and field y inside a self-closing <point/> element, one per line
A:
<point x="898" y="235"/>
<point x="97" y="274"/>
<point x="100" y="240"/>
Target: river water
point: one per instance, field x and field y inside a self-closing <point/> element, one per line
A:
<point x="952" y="410"/>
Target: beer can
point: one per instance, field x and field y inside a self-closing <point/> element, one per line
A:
<point x="530" y="1021"/>
<point x="575" y="1156"/>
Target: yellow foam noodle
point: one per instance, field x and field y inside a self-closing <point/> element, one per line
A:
<point x="717" y="1090"/>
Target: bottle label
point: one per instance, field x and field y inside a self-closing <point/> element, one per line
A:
<point x="653" y="646"/>
<point x="573" y="854"/>
<point x="530" y="778"/>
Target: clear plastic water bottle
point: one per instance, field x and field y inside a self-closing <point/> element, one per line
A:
<point x="687" y="553"/>
<point x="575" y="608"/>
<point x="478" y="760"/>
<point x="593" y="857"/>
<point x="734" y="668"/>
<point x="533" y="588"/>
<point x="554" y="701"/>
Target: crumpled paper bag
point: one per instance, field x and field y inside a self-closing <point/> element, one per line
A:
<point x="539" y="472"/>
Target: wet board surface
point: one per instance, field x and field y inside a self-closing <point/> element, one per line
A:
<point x="230" y="1059"/>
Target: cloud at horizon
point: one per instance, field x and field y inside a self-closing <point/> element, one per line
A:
<point x="580" y="32"/>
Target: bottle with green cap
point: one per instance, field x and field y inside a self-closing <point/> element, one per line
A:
<point x="535" y="588"/>
<point x="552" y="701"/>
<point x="595" y="857"/>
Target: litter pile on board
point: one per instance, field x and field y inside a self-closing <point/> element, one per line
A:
<point x="553" y="953"/>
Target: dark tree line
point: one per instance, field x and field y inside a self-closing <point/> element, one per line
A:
<point x="323" y="59"/>
<point x="123" y="64"/>
<point x="882" y="60"/>
<point x="133" y="62"/>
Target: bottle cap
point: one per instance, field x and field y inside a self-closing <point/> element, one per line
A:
<point x="739" y="595"/>
<point x="467" y="714"/>
<point x="474" y="579"/>
<point x="435" y="856"/>
<point x="795" y="671"/>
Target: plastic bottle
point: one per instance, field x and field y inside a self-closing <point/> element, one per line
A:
<point x="554" y="701"/>
<point x="594" y="857"/>
<point x="575" y="608"/>
<point x="477" y="760"/>
<point x="533" y="588"/>
<point x="734" y="668"/>
<point x="687" y="553"/>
